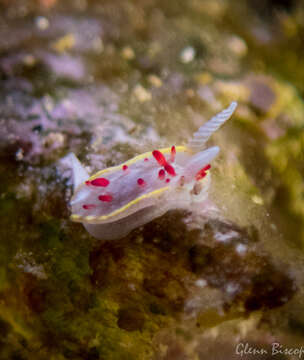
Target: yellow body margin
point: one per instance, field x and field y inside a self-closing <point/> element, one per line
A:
<point x="137" y="158"/>
<point x="89" y="219"/>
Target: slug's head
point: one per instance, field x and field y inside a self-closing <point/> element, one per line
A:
<point x="195" y="177"/>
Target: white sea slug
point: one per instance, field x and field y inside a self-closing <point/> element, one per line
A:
<point x="118" y="199"/>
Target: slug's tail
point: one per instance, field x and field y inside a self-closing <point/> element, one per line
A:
<point x="79" y="174"/>
<point x="200" y="137"/>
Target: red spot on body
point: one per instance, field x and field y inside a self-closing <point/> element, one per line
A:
<point x="100" y="182"/>
<point x="125" y="167"/>
<point x="159" y="157"/>
<point x="141" y="182"/>
<point x="173" y="153"/>
<point x="170" y="169"/>
<point x="161" y="174"/>
<point x="167" y="180"/>
<point x="88" y="206"/>
<point x="105" y="198"/>
<point x="88" y="182"/>
<point x="146" y="159"/>
<point x="202" y="173"/>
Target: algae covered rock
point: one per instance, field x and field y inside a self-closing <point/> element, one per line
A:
<point x="109" y="80"/>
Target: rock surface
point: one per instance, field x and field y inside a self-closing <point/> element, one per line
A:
<point x="108" y="80"/>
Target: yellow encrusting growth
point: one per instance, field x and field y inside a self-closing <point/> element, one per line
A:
<point x="91" y="218"/>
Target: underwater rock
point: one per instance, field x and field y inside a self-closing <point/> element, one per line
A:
<point x="131" y="319"/>
<point x="187" y="285"/>
<point x="262" y="96"/>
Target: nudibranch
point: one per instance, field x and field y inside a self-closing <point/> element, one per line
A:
<point x="118" y="199"/>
